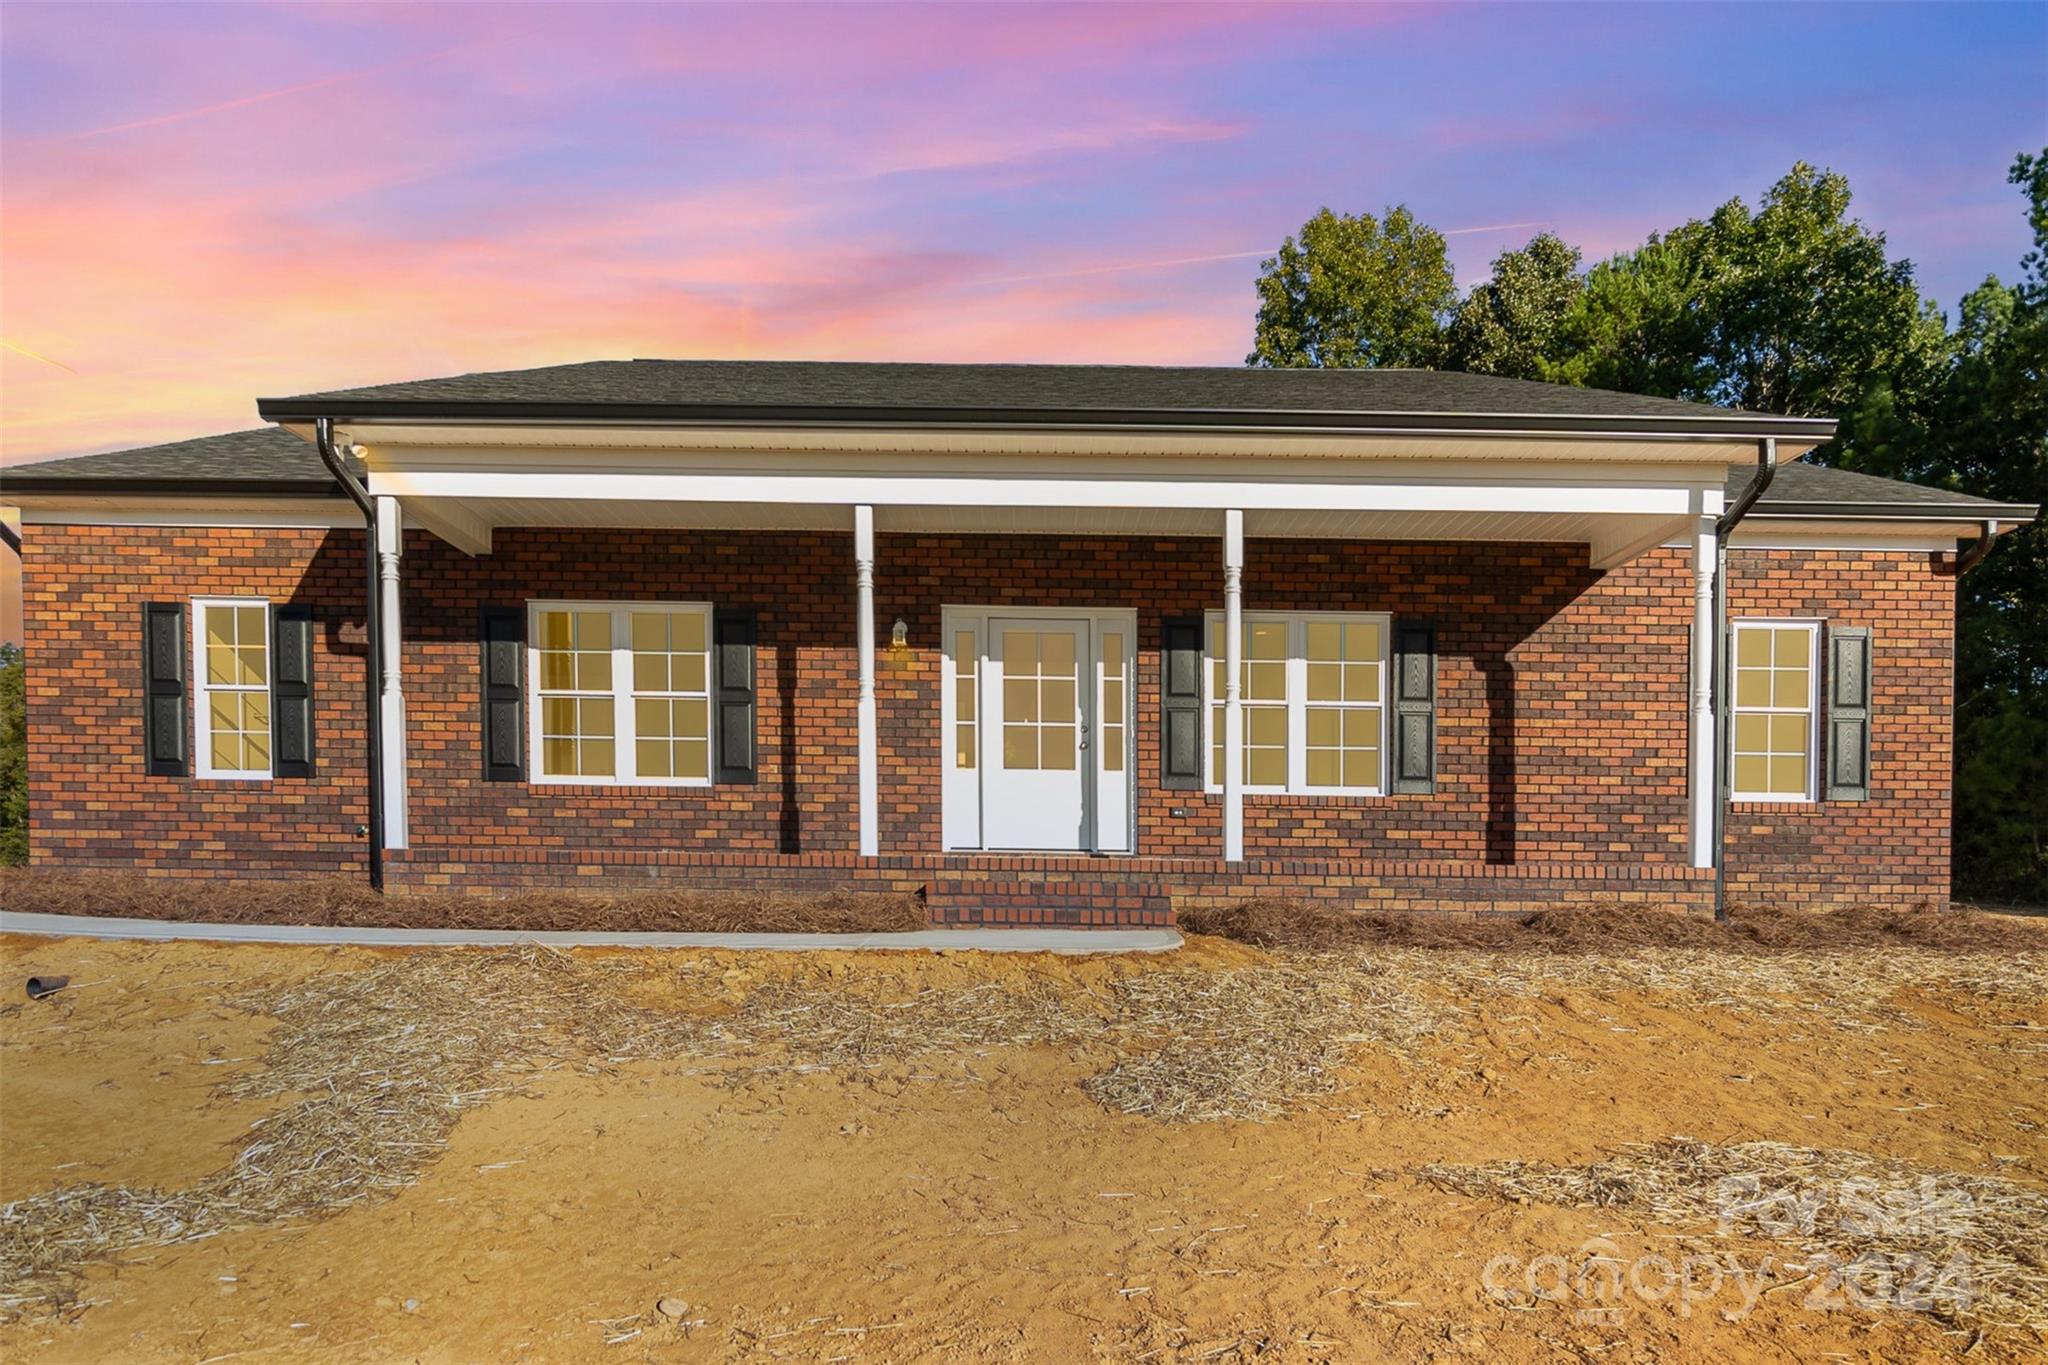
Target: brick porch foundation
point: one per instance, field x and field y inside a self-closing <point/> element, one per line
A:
<point x="996" y="889"/>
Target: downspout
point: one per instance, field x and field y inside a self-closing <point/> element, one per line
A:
<point x="1766" y="470"/>
<point x="373" y="720"/>
<point x="1977" y="549"/>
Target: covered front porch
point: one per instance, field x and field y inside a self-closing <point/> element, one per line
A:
<point x="1103" y="671"/>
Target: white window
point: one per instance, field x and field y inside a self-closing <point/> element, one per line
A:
<point x="231" y="660"/>
<point x="1775" y="672"/>
<point x="1313" y="689"/>
<point x="622" y="693"/>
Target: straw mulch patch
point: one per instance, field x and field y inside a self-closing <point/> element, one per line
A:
<point x="1886" y="1228"/>
<point x="385" y="1062"/>
<point x="1245" y="1043"/>
<point x="1595" y="928"/>
<point x="342" y="903"/>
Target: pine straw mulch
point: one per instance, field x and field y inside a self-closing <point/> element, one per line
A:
<point x="1749" y="928"/>
<point x="1875" y="1231"/>
<point x="339" y="902"/>
<point x="1248" y="1042"/>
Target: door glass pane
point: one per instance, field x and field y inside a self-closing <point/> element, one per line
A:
<point x="1056" y="748"/>
<point x="1020" y="699"/>
<point x="1020" y="653"/>
<point x="1020" y="747"/>
<point x="1056" y="701"/>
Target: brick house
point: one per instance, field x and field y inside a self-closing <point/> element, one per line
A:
<point x="1058" y="644"/>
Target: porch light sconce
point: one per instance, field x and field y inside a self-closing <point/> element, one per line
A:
<point x="899" y="636"/>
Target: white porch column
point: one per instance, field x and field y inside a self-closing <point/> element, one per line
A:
<point x="390" y="688"/>
<point x="864" y="634"/>
<point x="1703" y="651"/>
<point x="1233" y="670"/>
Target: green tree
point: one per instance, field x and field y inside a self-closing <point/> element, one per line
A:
<point x="1355" y="292"/>
<point x="1511" y="325"/>
<point x="13" y="756"/>
<point x="1796" y="308"/>
<point x="1987" y="431"/>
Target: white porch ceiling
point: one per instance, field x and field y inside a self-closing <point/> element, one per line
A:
<point x="1306" y="523"/>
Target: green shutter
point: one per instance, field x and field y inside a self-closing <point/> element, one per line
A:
<point x="1414" y="707"/>
<point x="291" y="691"/>
<point x="502" y="637"/>
<point x="1180" y="703"/>
<point x="733" y="705"/>
<point x="164" y="717"/>
<point x="1848" y="714"/>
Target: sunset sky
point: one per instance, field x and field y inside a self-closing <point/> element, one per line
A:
<point x="204" y="204"/>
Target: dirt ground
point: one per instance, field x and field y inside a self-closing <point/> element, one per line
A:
<point x="759" y="1161"/>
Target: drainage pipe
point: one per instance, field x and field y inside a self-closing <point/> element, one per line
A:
<point x="1977" y="549"/>
<point x="1766" y="470"/>
<point x="373" y="720"/>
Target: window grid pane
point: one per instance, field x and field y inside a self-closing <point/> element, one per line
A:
<point x="671" y="694"/>
<point x="1113" y="701"/>
<point x="235" y="686"/>
<point x="1342" y="715"/>
<point x="1041" y="701"/>
<point x="966" y="681"/>
<point x="1773" y="720"/>
<point x="1328" y="733"/>
<point x="624" y="693"/>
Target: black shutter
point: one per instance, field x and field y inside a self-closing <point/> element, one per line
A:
<point x="1848" y="716"/>
<point x="502" y="631"/>
<point x="1414" y="707"/>
<point x="1180" y="703"/>
<point x="163" y="689"/>
<point x="291" y="692"/>
<point x="732" y="641"/>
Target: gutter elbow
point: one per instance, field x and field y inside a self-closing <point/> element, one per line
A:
<point x="1977" y="549"/>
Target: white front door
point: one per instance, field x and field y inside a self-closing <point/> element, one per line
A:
<point x="1039" y="701"/>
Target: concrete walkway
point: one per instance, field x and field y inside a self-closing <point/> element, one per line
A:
<point x="1069" y="941"/>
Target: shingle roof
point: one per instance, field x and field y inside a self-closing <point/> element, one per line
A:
<point x="267" y="460"/>
<point x="1800" y="488"/>
<point x="1051" y="394"/>
<point x="273" y="460"/>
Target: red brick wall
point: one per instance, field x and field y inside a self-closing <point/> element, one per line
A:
<point x="1561" y="692"/>
<point x="1561" y="722"/>
<point x="1894" y="847"/>
<point x="799" y="583"/>
<point x="90" y="802"/>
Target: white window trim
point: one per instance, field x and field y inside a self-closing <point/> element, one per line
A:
<point x="625" y="753"/>
<point x="202" y="713"/>
<point x="1297" y="699"/>
<point x="1813" y="685"/>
